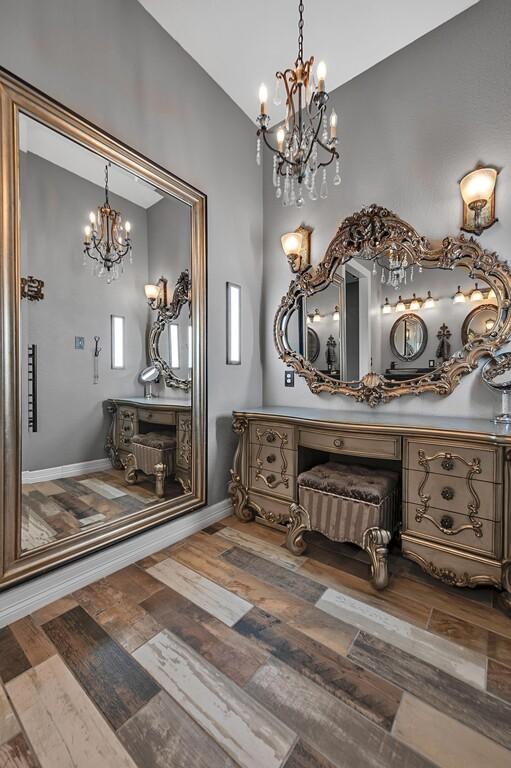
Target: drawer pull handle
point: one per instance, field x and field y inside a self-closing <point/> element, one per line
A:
<point x="447" y="493"/>
<point x="149" y="415"/>
<point x="270" y="479"/>
<point x="447" y="463"/>
<point x="270" y="438"/>
<point x="338" y="442"/>
<point x="271" y="458"/>
<point x="447" y="522"/>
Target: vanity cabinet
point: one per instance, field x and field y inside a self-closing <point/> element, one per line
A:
<point x="456" y="481"/>
<point x="138" y="414"/>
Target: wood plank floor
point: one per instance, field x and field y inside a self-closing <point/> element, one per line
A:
<point x="225" y="651"/>
<point x="55" y="509"/>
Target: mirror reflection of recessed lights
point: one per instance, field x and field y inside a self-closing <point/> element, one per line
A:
<point x="400" y="306"/>
<point x="429" y="303"/>
<point x="459" y="296"/>
<point x="477" y="294"/>
<point x="387" y="308"/>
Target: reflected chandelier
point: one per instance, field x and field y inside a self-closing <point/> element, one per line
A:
<point x="107" y="240"/>
<point x="307" y="141"/>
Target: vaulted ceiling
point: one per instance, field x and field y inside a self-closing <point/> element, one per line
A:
<point x="241" y="43"/>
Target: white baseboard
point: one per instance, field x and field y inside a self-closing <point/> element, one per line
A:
<point x="67" y="470"/>
<point x="19" y="601"/>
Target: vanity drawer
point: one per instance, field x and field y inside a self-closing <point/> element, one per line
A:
<point x="443" y="525"/>
<point x="270" y="481"/>
<point x="157" y="417"/>
<point x="452" y="459"/>
<point x="450" y="566"/>
<point x="453" y="494"/>
<point x="273" y="459"/>
<point x="352" y="443"/>
<point x="272" y="510"/>
<point x="276" y="435"/>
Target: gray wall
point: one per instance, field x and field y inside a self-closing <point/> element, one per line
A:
<point x="72" y="425"/>
<point x="113" y="64"/>
<point x="409" y="129"/>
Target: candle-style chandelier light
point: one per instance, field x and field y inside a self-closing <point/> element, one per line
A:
<point x="306" y="143"/>
<point x="107" y="240"/>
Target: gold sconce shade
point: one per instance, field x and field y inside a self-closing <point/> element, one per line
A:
<point x="429" y="302"/>
<point x="477" y="294"/>
<point x="400" y="306"/>
<point x="415" y="303"/>
<point x="459" y="296"/>
<point x="296" y="246"/>
<point x="387" y="308"/>
<point x="478" y="192"/>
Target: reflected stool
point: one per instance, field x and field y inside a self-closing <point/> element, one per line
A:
<point x="348" y="503"/>
<point x="154" y="454"/>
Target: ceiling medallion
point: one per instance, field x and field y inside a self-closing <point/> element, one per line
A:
<point x="105" y="242"/>
<point x="306" y="143"/>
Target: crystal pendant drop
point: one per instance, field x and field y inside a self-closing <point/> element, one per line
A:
<point x="323" y="192"/>
<point x="278" y="191"/>
<point x="277" y="98"/>
<point x="258" y="151"/>
<point x="292" y="193"/>
<point x="299" y="199"/>
<point x="313" y="192"/>
<point x="337" y="177"/>
<point x="374" y="268"/>
<point x="382" y="275"/>
<point x="274" y="170"/>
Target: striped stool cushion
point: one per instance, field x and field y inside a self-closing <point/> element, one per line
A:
<point x="154" y="448"/>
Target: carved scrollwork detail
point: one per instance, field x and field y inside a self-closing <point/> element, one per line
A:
<point x="110" y="442"/>
<point x="236" y="489"/>
<point x="165" y="315"/>
<point x="449" y="576"/>
<point x="299" y="523"/>
<point x="422" y="512"/>
<point x="376" y="542"/>
<point x="270" y="436"/>
<point x="372" y="230"/>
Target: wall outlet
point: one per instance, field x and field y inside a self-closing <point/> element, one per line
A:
<point x="289" y="378"/>
<point x="79" y="342"/>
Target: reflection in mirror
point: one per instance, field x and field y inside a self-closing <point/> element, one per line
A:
<point x="85" y="465"/>
<point x="408" y="337"/>
<point x="325" y="329"/>
<point x="479" y="322"/>
<point x="496" y="375"/>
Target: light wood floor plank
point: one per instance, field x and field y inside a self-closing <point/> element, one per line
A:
<point x="246" y="731"/>
<point x="64" y="727"/>
<point x="222" y="604"/>
<point x="460" y="662"/>
<point x="445" y="741"/>
<point x="9" y="725"/>
<point x="261" y="547"/>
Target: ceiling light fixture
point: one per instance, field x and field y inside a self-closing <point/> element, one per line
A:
<point x="307" y="141"/>
<point x="107" y="240"/>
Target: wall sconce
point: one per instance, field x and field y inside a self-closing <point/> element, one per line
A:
<point x="415" y="303"/>
<point x="156" y="295"/>
<point x="296" y="245"/>
<point x="491" y="294"/>
<point x="459" y="297"/>
<point x="387" y="308"/>
<point x="477" y="294"/>
<point x="400" y="306"/>
<point x="478" y="192"/>
<point x="336" y="313"/>
<point x="316" y="317"/>
<point x="429" y="303"/>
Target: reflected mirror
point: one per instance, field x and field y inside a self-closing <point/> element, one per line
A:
<point x="408" y="337"/>
<point x="100" y="444"/>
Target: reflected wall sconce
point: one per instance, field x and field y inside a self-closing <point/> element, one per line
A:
<point x="429" y="302"/>
<point x="336" y="313"/>
<point x="477" y="294"/>
<point x="459" y="297"/>
<point x="296" y="246"/>
<point x="387" y="308"/>
<point x="156" y="295"/>
<point x="478" y="192"/>
<point x="316" y="317"/>
<point x="409" y="305"/>
<point x="415" y="303"/>
<point x="400" y="306"/>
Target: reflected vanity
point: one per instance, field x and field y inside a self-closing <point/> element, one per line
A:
<point x="92" y="325"/>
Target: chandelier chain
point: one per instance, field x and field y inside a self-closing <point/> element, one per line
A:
<point x="300" y="32"/>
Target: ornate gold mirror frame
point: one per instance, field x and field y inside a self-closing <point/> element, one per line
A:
<point x="17" y="97"/>
<point x="372" y="230"/>
<point x="181" y="298"/>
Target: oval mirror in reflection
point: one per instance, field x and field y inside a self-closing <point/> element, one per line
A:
<point x="313" y="345"/>
<point x="149" y="374"/>
<point x="408" y="337"/>
<point x="479" y="322"/>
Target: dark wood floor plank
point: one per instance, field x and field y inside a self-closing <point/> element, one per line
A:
<point x="163" y="735"/>
<point x="364" y="691"/>
<point x="499" y="680"/>
<point x="33" y="641"/>
<point x="13" y="660"/>
<point x="336" y="731"/>
<point x="16" y="753"/>
<point x="213" y="528"/>
<point x="463" y="702"/>
<point x="134" y="582"/>
<point x="305" y="756"/>
<point x="112" y="678"/>
<point x="235" y="656"/>
<point x="289" y="581"/>
<point x="470" y="635"/>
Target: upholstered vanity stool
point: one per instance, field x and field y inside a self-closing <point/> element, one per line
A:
<point x="154" y="454"/>
<point x="348" y="503"/>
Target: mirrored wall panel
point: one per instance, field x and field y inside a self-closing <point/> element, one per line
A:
<point x="106" y="340"/>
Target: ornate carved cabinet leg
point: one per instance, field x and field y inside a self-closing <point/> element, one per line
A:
<point x="376" y="541"/>
<point x="299" y="522"/>
<point x="130" y="470"/>
<point x="237" y="491"/>
<point x="111" y="448"/>
<point x="160" y="471"/>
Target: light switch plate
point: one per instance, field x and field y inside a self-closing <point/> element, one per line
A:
<point x="79" y="342"/>
<point x="289" y="378"/>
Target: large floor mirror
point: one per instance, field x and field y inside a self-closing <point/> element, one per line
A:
<point x="103" y="274"/>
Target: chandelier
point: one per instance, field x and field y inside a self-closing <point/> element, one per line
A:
<point x="107" y="240"/>
<point x="396" y="264"/>
<point x="306" y="142"/>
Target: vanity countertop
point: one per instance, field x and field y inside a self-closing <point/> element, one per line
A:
<point x="389" y="422"/>
<point x="156" y="402"/>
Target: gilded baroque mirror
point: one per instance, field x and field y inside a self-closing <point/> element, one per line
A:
<point x="100" y="452"/>
<point x="379" y="296"/>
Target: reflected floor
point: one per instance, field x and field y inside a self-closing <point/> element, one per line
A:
<point x="55" y="509"/>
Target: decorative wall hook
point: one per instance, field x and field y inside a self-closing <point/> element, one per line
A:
<point x="32" y="288"/>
